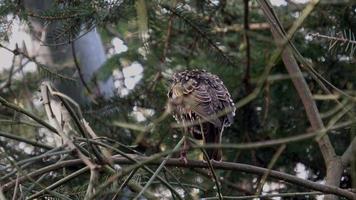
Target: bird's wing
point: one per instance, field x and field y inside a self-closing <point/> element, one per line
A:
<point x="226" y="102"/>
<point x="203" y="104"/>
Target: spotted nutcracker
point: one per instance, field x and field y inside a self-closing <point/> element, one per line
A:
<point x="201" y="101"/>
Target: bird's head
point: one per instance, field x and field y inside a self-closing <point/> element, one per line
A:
<point x="179" y="89"/>
<point x="180" y="92"/>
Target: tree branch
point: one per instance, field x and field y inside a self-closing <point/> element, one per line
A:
<point x="332" y="161"/>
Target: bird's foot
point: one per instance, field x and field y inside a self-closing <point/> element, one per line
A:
<point x="216" y="161"/>
<point x="183" y="158"/>
<point x="212" y="161"/>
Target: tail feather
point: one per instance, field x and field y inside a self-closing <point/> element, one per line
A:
<point x="213" y="136"/>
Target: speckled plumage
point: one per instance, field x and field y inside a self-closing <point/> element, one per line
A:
<point x="200" y="96"/>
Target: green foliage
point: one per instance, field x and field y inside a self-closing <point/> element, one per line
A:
<point x="189" y="35"/>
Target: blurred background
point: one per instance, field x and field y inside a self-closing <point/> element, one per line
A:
<point x="115" y="58"/>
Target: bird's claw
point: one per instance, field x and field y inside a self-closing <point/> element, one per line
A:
<point x="216" y="161"/>
<point x="183" y="158"/>
<point x="212" y="161"/>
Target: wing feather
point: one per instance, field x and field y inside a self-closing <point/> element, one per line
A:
<point x="203" y="106"/>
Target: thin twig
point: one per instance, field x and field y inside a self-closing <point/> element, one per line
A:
<point x="27" y="176"/>
<point x="23" y="111"/>
<point x="128" y="178"/>
<point x="246" y="79"/>
<point x="157" y="160"/>
<point x="270" y="167"/>
<point x="25" y="140"/>
<point x="40" y="65"/>
<point x="16" y="188"/>
<point x="200" y="32"/>
<point x="94" y="175"/>
<point x="159" y="169"/>
<point x="125" y="155"/>
<point x="340" y="39"/>
<point x="60" y="182"/>
<point x="77" y="66"/>
<point x="291" y="194"/>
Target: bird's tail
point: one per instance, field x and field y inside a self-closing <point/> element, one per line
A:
<point x="213" y="136"/>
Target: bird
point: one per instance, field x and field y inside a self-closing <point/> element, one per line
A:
<point x="201" y="100"/>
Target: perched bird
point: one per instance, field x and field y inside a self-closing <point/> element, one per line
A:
<point x="201" y="102"/>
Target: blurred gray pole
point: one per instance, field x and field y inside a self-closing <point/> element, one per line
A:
<point x="89" y="52"/>
<point x="91" y="56"/>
